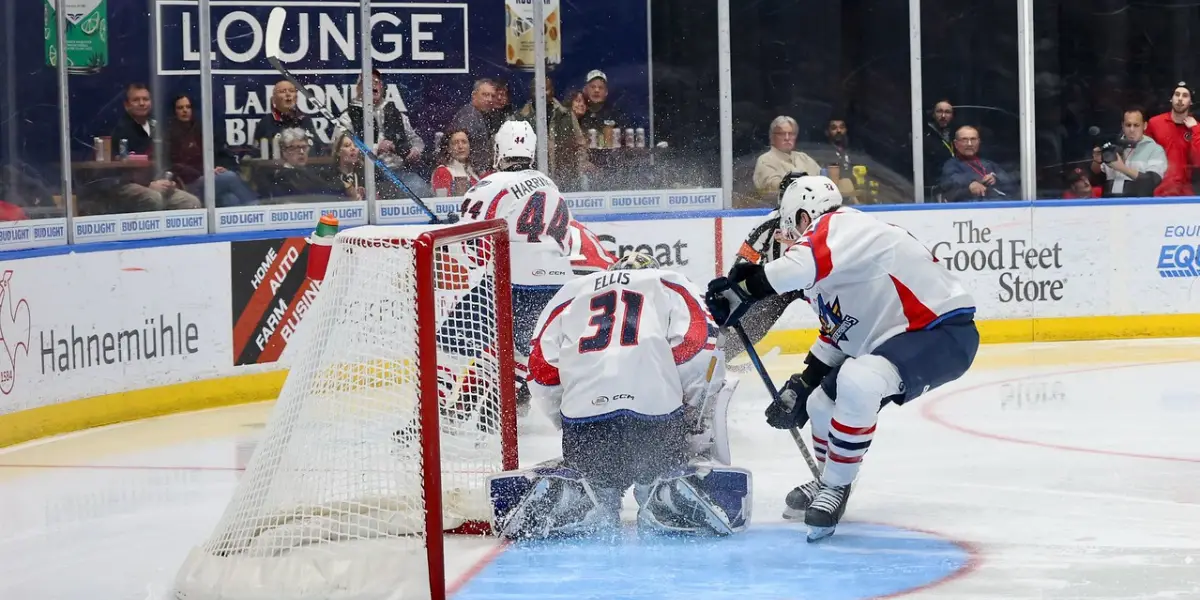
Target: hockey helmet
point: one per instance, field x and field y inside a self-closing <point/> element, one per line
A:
<point x="813" y="195"/>
<point x="515" y="139"/>
<point x="631" y="261"/>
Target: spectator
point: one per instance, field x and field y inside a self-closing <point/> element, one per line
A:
<point x="1178" y="133"/>
<point x="137" y="191"/>
<point x="454" y="176"/>
<point x="836" y="156"/>
<point x="502" y="108"/>
<point x="1136" y="171"/>
<point x="285" y="114"/>
<point x="969" y="177"/>
<point x="185" y="146"/>
<point x="473" y="119"/>
<point x="939" y="142"/>
<point x="348" y="167"/>
<point x="392" y="143"/>
<point x="1079" y="186"/>
<point x="566" y="144"/>
<point x="599" y="109"/>
<point x="294" y="180"/>
<point x="781" y="159"/>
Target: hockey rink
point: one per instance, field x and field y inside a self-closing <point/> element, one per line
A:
<point x="1051" y="471"/>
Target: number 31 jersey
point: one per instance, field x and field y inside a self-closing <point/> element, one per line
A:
<point x="636" y="343"/>
<point x="539" y="223"/>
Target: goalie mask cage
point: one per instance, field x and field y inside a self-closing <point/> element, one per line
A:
<point x="399" y="403"/>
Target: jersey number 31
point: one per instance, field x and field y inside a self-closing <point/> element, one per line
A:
<point x="604" y="312"/>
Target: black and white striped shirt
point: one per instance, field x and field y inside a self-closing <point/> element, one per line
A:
<point x="760" y="246"/>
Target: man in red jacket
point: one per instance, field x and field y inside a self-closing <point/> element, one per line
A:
<point x="1178" y="132"/>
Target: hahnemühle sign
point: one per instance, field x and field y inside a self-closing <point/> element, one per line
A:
<point x="87" y="35"/>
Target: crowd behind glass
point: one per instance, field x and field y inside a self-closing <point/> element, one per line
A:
<point x="137" y="164"/>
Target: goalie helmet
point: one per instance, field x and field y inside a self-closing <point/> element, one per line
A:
<point x="631" y="261"/>
<point x="814" y="195"/>
<point x="515" y="140"/>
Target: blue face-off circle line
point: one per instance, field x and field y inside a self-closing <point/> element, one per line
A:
<point x="861" y="561"/>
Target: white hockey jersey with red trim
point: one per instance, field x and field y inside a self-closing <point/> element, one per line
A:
<point x="539" y="223"/>
<point x="624" y="342"/>
<point x="868" y="281"/>
<point x="586" y="252"/>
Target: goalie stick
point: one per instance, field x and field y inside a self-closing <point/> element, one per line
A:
<point x="274" y="33"/>
<point x="766" y="379"/>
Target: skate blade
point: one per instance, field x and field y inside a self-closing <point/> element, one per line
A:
<point x="792" y="514"/>
<point x="816" y="534"/>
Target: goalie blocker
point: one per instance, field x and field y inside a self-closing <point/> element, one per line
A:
<point x="665" y="436"/>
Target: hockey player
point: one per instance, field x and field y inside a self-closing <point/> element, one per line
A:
<point x="664" y="434"/>
<point x="894" y="324"/>
<point x="546" y="244"/>
<point x="764" y="244"/>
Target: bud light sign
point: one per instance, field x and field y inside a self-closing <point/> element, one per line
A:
<point x="320" y="38"/>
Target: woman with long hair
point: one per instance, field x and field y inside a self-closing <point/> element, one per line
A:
<point x="185" y="147"/>
<point x="348" y="166"/>
<point x="454" y="175"/>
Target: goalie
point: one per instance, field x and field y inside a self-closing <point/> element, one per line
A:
<point x="625" y="364"/>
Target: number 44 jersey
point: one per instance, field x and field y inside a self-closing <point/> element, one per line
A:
<point x="637" y="343"/>
<point x="539" y="224"/>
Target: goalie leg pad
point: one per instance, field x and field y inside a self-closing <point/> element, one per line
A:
<point x="699" y="499"/>
<point x="549" y="501"/>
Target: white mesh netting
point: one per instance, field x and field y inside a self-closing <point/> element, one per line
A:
<point x="332" y="503"/>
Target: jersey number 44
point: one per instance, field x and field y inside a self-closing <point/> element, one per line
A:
<point x="531" y="222"/>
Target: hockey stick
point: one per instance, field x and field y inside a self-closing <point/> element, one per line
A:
<point x="766" y="379"/>
<point x="274" y="33"/>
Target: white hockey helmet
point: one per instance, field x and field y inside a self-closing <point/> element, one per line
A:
<point x="515" y="139"/>
<point x="815" y="195"/>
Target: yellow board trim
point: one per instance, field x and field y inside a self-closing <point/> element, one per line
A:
<point x="1055" y="329"/>
<point x="110" y="409"/>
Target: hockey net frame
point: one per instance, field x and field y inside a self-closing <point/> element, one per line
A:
<point x="235" y="569"/>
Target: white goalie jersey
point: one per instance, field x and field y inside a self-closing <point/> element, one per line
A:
<point x="539" y="224"/>
<point x="635" y="342"/>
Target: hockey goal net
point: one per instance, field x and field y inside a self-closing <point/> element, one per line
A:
<point x="399" y="403"/>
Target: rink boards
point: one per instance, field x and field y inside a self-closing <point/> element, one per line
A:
<point x="94" y="336"/>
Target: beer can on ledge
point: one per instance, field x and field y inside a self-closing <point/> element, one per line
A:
<point x="630" y="138"/>
<point x="593" y="138"/>
<point x="640" y="137"/>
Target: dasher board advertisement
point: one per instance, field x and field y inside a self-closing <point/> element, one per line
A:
<point x="81" y="325"/>
<point x="271" y="293"/>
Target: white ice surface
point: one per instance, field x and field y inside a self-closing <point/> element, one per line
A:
<point x="1075" y="478"/>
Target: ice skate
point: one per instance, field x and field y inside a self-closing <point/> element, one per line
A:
<point x="799" y="499"/>
<point x="826" y="511"/>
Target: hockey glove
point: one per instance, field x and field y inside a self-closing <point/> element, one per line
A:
<point x="727" y="301"/>
<point x="790" y="409"/>
<point x="729" y="298"/>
